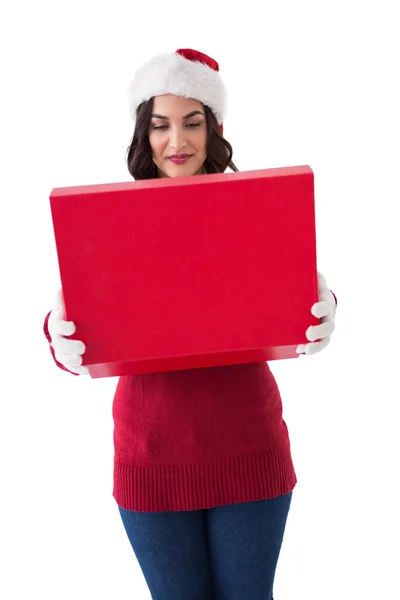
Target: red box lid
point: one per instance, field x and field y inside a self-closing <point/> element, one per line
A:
<point x="188" y="272"/>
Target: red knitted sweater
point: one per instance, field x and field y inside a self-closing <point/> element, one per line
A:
<point x="199" y="438"/>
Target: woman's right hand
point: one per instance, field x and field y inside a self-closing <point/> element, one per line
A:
<point x="67" y="352"/>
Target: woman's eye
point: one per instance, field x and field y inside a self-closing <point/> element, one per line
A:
<point x="163" y="127"/>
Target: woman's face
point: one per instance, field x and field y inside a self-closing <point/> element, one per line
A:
<point x="178" y="136"/>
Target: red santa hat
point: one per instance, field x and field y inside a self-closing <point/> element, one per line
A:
<point x="186" y="73"/>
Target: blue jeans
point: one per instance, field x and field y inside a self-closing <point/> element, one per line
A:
<point x="224" y="553"/>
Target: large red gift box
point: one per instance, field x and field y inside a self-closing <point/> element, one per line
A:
<point x="189" y="272"/>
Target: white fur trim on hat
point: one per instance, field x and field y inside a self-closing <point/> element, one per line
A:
<point x="174" y="74"/>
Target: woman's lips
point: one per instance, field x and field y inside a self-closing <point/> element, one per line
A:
<point x="180" y="159"/>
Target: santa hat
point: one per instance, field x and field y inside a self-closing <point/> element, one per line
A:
<point x="186" y="73"/>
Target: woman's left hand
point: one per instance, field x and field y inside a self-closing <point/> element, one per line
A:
<point x="324" y="309"/>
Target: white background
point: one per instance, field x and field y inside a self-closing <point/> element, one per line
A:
<point x="310" y="83"/>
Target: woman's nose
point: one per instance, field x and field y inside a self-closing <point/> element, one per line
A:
<point x="177" y="138"/>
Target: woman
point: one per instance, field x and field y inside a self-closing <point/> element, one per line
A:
<point x="203" y="473"/>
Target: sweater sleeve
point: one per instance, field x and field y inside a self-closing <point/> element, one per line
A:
<point x="335" y="299"/>
<point x="48" y="336"/>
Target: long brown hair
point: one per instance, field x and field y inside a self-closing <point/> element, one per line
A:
<point x="139" y="156"/>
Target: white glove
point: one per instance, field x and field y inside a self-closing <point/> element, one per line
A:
<point x="67" y="352"/>
<point x="325" y="309"/>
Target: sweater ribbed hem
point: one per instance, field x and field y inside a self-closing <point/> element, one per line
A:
<point x="196" y="486"/>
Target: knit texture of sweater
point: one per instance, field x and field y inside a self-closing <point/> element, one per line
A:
<point x="199" y="438"/>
